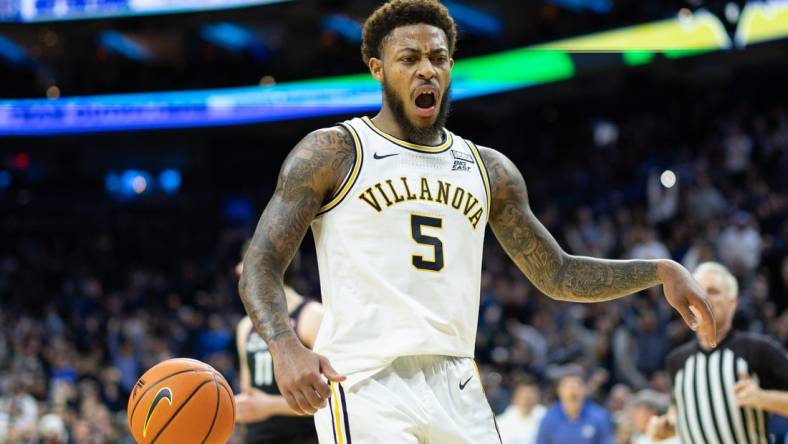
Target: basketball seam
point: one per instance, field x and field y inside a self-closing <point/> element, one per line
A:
<point x="145" y="392"/>
<point x="215" y="412"/>
<point x="232" y="397"/>
<point x="186" y="401"/>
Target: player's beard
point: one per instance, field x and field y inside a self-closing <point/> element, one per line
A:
<point x="417" y="134"/>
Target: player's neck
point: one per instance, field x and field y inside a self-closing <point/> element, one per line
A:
<point x="387" y="122"/>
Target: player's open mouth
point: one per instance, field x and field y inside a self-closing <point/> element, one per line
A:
<point x="426" y="101"/>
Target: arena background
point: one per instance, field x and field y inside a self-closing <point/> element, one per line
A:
<point x="122" y="217"/>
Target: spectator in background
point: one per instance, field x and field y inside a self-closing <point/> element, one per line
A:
<point x="646" y="405"/>
<point x="587" y="237"/>
<point x="575" y="419"/>
<point x="52" y="430"/>
<point x="519" y="423"/>
<point x="704" y="201"/>
<point x="740" y="245"/>
<point x="701" y="251"/>
<point x="18" y="412"/>
<point x="738" y="150"/>
<point x="646" y="245"/>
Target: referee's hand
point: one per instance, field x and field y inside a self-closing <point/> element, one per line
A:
<point x="684" y="294"/>
<point x="300" y="375"/>
<point x="748" y="392"/>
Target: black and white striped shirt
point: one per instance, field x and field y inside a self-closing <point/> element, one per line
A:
<point x="703" y="388"/>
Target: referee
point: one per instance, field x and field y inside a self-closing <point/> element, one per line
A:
<point x="723" y="395"/>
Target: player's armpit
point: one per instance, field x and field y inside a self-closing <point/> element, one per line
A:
<point x="312" y="171"/>
<point x="535" y="251"/>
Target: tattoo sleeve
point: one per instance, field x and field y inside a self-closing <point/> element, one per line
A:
<point x="538" y="255"/>
<point x="309" y="175"/>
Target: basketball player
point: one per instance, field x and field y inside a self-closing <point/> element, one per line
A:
<point x="260" y="406"/>
<point x="398" y="206"/>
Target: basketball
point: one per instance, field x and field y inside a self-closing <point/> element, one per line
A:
<point x="181" y="401"/>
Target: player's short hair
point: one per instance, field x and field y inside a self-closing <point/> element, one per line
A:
<point x="397" y="13"/>
<point x="722" y="270"/>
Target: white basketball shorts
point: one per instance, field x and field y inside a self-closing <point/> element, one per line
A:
<point x="415" y="400"/>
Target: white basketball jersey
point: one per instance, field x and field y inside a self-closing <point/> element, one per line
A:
<point x="399" y="250"/>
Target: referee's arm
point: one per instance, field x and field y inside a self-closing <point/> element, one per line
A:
<point x="773" y="397"/>
<point x="749" y="394"/>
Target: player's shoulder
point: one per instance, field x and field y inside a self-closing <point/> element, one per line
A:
<point x="326" y="153"/>
<point x="488" y="154"/>
<point x="327" y="140"/>
<point x="504" y="177"/>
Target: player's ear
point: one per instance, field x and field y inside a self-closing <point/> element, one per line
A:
<point x="376" y="68"/>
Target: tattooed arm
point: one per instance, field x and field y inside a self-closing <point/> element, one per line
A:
<point x="577" y="278"/>
<point x="309" y="176"/>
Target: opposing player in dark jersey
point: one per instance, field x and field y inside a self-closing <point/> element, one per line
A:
<point x="260" y="405"/>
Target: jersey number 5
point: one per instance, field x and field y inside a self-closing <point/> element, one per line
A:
<point x="416" y="224"/>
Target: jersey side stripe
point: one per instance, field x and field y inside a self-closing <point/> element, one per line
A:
<point x="483" y="171"/>
<point x="336" y="416"/>
<point x="333" y="421"/>
<point x="344" y="413"/>
<point x="352" y="175"/>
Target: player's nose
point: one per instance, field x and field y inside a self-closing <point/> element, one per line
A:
<point x="426" y="70"/>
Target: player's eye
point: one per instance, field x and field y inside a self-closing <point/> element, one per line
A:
<point x="407" y="59"/>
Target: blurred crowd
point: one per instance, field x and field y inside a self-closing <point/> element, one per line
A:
<point x="85" y="312"/>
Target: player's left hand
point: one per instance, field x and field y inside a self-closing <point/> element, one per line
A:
<point x="253" y="406"/>
<point x="747" y="391"/>
<point x="684" y="294"/>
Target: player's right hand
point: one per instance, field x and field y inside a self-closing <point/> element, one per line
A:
<point x="300" y="375"/>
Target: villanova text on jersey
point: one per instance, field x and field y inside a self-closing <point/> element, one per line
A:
<point x="393" y="191"/>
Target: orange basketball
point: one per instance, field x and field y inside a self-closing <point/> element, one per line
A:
<point x="181" y="401"/>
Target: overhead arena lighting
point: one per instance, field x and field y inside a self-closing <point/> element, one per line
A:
<point x="27" y="11"/>
<point x="687" y="34"/>
<point x="760" y="22"/>
<point x="228" y="106"/>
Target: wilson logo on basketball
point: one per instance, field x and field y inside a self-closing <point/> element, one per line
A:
<point x="163" y="393"/>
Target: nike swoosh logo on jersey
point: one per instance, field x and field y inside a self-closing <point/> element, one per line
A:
<point x="377" y="156"/>
<point x="463" y="384"/>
